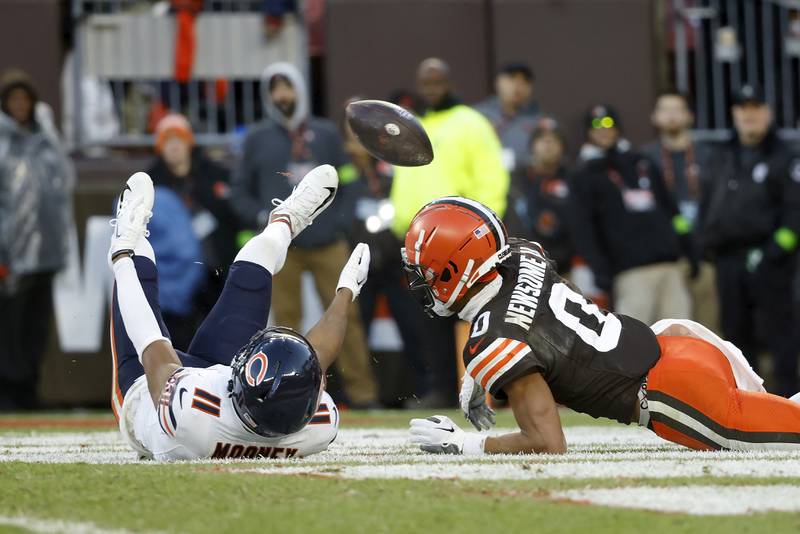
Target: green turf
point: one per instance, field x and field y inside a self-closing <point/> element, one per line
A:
<point x="196" y="498"/>
<point x="211" y="498"/>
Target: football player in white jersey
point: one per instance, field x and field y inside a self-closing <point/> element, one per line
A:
<point x="241" y="390"/>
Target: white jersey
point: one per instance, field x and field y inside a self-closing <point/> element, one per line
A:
<point x="195" y="418"/>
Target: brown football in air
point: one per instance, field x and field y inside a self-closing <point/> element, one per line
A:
<point x="390" y="133"/>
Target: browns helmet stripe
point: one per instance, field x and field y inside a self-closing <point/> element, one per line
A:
<point x="489" y="217"/>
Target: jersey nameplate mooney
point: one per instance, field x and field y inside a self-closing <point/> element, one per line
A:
<point x="525" y="297"/>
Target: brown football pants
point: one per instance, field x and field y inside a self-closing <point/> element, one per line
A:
<point x="325" y="264"/>
<point x="693" y="401"/>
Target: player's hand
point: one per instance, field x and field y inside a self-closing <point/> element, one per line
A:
<point x="472" y="398"/>
<point x="354" y="273"/>
<point x="438" y="434"/>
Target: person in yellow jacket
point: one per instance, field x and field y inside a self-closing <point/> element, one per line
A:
<point x="467" y="162"/>
<point x="467" y="153"/>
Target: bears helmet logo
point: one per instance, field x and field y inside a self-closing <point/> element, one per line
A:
<point x="256" y="369"/>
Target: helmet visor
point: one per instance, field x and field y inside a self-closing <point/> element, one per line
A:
<point x="420" y="290"/>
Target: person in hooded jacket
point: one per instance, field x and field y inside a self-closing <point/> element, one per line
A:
<point x="277" y="153"/>
<point x="626" y="226"/>
<point x="36" y="184"/>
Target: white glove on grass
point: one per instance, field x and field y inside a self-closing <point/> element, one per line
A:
<point x="440" y="435"/>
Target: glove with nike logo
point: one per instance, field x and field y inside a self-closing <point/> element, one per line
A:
<point x="438" y="434"/>
<point x="472" y="399"/>
<point x="354" y="273"/>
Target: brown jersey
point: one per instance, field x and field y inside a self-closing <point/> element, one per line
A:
<point x="594" y="361"/>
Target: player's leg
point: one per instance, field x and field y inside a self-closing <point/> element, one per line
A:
<point x="135" y="285"/>
<point x="693" y="400"/>
<point x="243" y="307"/>
<point x="126" y="361"/>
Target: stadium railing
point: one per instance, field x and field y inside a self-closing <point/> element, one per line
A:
<point x="128" y="46"/>
<point x="719" y="45"/>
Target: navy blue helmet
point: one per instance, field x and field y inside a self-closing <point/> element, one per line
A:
<point x="276" y="382"/>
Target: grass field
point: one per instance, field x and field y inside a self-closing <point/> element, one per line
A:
<point x="72" y="473"/>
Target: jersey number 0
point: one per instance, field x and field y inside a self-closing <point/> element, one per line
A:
<point x="600" y="330"/>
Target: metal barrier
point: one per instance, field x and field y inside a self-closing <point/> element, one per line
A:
<point x="125" y="51"/>
<point x="719" y="45"/>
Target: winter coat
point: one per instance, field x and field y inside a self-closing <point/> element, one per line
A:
<point x="621" y="214"/>
<point x="36" y="184"/>
<point x="278" y="152"/>
<point x="180" y="271"/>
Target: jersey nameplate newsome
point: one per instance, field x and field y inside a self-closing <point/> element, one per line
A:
<point x="525" y="297"/>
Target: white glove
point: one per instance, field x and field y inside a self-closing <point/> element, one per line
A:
<point x="439" y="435"/>
<point x="354" y="273"/>
<point x="472" y="398"/>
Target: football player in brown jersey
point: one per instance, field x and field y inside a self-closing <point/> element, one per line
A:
<point x="537" y="341"/>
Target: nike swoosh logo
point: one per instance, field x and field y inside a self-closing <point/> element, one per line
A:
<point x="451" y="429"/>
<point x="331" y="192"/>
<point x="180" y="396"/>
<point x="121" y="197"/>
<point x="474" y="347"/>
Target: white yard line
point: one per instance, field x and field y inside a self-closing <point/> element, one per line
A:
<point x="595" y="452"/>
<point x="695" y="500"/>
<point x="57" y="526"/>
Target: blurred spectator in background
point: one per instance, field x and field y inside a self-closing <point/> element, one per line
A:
<point x="373" y="215"/>
<point x="278" y="152"/>
<point x="622" y="219"/>
<point x="538" y="199"/>
<point x="513" y="113"/>
<point x="682" y="162"/>
<point x="36" y="184"/>
<point x="194" y="227"/>
<point x="467" y="162"/>
<point x="751" y="223"/>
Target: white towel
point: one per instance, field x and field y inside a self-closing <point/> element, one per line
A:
<point x="746" y="378"/>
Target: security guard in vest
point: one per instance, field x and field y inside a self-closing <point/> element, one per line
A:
<point x="750" y="222"/>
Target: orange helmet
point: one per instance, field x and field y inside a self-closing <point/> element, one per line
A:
<point x="452" y="243"/>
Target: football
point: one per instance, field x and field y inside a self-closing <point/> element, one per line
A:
<point x="390" y="133"/>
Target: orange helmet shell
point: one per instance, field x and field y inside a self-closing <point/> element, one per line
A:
<point x="450" y="239"/>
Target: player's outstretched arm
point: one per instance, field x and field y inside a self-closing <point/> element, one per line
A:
<point x="536" y="413"/>
<point x="327" y="335"/>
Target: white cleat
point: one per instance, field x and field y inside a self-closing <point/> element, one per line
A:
<point x="134" y="209"/>
<point x="313" y="194"/>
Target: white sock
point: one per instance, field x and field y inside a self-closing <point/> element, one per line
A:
<point x="795" y="398"/>
<point x="140" y="323"/>
<point x="145" y="249"/>
<point x="268" y="248"/>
